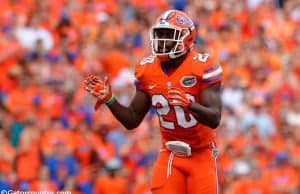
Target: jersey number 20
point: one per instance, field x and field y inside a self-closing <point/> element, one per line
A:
<point x="164" y="109"/>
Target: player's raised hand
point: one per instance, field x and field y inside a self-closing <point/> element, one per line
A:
<point x="177" y="97"/>
<point x="100" y="89"/>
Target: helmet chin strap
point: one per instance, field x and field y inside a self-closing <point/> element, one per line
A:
<point x="172" y="55"/>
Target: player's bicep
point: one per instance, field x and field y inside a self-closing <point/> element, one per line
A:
<point x="211" y="96"/>
<point x="140" y="104"/>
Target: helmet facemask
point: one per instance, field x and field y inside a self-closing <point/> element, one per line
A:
<point x="168" y="41"/>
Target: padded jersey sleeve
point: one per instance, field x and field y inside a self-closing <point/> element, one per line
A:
<point x="140" y="73"/>
<point x="208" y="69"/>
<point x="211" y="74"/>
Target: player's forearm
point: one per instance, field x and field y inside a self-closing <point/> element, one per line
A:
<point x="209" y="116"/>
<point x="125" y="115"/>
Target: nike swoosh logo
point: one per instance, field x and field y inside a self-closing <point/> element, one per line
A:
<point x="151" y="87"/>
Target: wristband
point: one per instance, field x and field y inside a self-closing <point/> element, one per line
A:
<point x="111" y="100"/>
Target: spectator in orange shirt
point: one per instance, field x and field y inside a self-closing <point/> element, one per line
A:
<point x="84" y="141"/>
<point x="283" y="178"/>
<point x="142" y="185"/>
<point x="252" y="183"/>
<point x="28" y="158"/>
<point x="7" y="154"/>
<point x="114" y="61"/>
<point x="53" y="135"/>
<point x="43" y="183"/>
<point x="113" y="182"/>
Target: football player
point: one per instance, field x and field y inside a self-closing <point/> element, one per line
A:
<point x="184" y="88"/>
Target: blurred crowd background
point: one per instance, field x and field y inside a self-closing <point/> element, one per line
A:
<point x="51" y="138"/>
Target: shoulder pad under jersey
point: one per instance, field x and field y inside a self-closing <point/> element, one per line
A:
<point x="207" y="67"/>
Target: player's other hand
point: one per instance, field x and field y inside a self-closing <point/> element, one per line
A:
<point x="177" y="97"/>
<point x="100" y="89"/>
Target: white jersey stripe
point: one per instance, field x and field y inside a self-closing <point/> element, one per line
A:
<point x="214" y="73"/>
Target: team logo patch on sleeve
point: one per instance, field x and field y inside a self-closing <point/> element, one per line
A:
<point x="188" y="81"/>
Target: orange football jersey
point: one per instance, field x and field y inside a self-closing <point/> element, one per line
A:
<point x="195" y="73"/>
